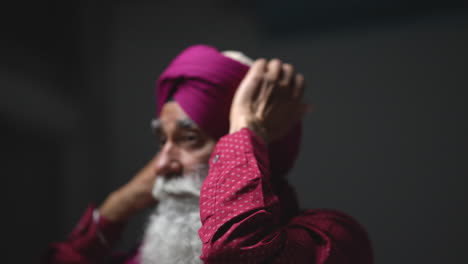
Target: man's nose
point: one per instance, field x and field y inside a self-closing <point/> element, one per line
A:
<point x="168" y="162"/>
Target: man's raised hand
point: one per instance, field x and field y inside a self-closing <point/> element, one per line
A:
<point x="268" y="100"/>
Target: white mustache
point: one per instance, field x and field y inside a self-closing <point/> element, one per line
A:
<point x="188" y="184"/>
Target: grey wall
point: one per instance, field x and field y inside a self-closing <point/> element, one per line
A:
<point x="385" y="144"/>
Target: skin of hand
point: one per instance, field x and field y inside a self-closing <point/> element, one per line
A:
<point x="268" y="100"/>
<point x="132" y="197"/>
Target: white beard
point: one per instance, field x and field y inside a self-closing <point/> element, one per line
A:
<point x="172" y="232"/>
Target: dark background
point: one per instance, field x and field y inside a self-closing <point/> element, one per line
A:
<point x="386" y="144"/>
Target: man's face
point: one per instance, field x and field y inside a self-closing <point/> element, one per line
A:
<point x="183" y="145"/>
<point x="180" y="168"/>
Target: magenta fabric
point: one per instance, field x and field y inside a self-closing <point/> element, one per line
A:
<point x="203" y="82"/>
<point x="134" y="259"/>
<point x="241" y="215"/>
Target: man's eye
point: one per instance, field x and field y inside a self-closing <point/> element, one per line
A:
<point x="191" y="138"/>
<point x="162" y="141"/>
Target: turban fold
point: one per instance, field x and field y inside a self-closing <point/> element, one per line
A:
<point x="203" y="82"/>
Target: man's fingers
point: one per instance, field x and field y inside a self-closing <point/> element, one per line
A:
<point x="299" y="86"/>
<point x="273" y="71"/>
<point x="287" y="75"/>
<point x="270" y="82"/>
<point x="252" y="80"/>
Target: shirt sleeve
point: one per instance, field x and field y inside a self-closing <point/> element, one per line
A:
<point x="90" y="242"/>
<point x="240" y="215"/>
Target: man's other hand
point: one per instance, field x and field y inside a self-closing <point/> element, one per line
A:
<point x="132" y="197"/>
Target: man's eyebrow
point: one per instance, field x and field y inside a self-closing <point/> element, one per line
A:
<point x="155" y="124"/>
<point x="186" y="123"/>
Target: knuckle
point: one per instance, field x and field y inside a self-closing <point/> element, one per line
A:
<point x="255" y="73"/>
<point x="283" y="84"/>
<point x="300" y="79"/>
<point x="260" y="60"/>
<point x="258" y="65"/>
<point x="275" y="61"/>
<point x="288" y="68"/>
<point x="256" y="78"/>
<point x="269" y="78"/>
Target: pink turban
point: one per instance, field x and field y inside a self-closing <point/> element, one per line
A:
<point x="203" y="82"/>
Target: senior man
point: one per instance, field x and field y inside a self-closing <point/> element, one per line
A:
<point x="229" y="131"/>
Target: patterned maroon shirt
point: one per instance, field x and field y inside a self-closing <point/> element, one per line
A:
<point x="242" y="216"/>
